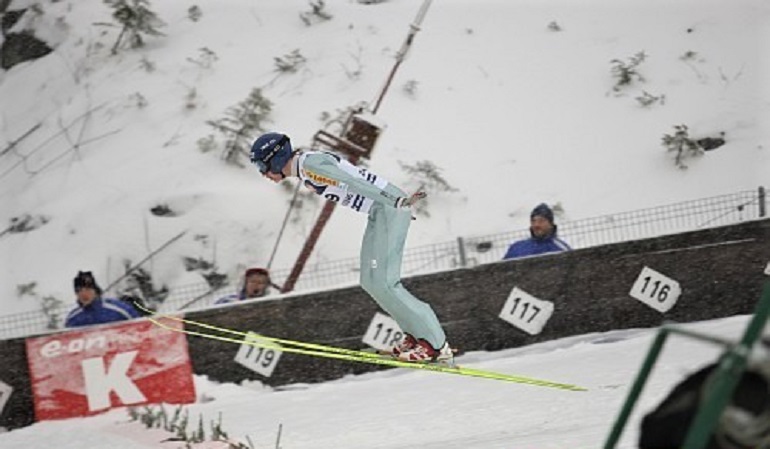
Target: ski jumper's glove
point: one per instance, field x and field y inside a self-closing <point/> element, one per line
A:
<point x="407" y="202"/>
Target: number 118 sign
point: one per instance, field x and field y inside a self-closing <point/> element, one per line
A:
<point x="383" y="332"/>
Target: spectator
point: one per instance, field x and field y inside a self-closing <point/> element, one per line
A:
<point x="256" y="284"/>
<point x="92" y="308"/>
<point x="543" y="240"/>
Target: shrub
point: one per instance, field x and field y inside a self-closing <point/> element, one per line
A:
<point x="49" y="305"/>
<point x="206" y="58"/>
<point x="26" y="223"/>
<point x="410" y="89"/>
<point x="681" y="145"/>
<point x="207" y="144"/>
<point x="647" y="99"/>
<point x="178" y="423"/>
<point x="316" y="14"/>
<point x="136" y="19"/>
<point x="289" y="63"/>
<point x="139" y="283"/>
<point x="554" y="26"/>
<point x="427" y="176"/>
<point x="240" y="124"/>
<point x="626" y="72"/>
<point x="194" y="13"/>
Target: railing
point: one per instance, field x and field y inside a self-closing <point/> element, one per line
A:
<point x="462" y="252"/>
<point x="722" y="384"/>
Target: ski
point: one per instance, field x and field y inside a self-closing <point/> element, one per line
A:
<point x="333" y="352"/>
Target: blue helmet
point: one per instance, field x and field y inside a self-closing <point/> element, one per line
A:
<point x="271" y="151"/>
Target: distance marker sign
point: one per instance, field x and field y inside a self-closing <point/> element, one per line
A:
<point x="526" y="312"/>
<point x="656" y="290"/>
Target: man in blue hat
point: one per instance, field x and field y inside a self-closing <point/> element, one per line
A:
<point x="92" y="308"/>
<point x="543" y="236"/>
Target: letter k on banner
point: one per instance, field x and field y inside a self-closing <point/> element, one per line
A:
<point x="99" y="383"/>
<point x="84" y="372"/>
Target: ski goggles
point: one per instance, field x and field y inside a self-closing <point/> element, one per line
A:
<point x="263" y="163"/>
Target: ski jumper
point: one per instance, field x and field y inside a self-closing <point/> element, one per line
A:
<point x="339" y="181"/>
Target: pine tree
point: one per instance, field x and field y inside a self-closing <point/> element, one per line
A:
<point x="242" y="123"/>
<point x="136" y="18"/>
<point x="682" y="145"/>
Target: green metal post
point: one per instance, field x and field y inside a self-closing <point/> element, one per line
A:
<point x="724" y="380"/>
<point x="636" y="389"/>
<point x="754" y="330"/>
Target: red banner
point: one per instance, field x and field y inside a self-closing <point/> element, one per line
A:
<point x="84" y="372"/>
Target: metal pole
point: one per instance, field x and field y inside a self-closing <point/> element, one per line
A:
<point x="762" y="202"/>
<point x="283" y="226"/>
<point x="723" y="382"/>
<point x="636" y="388"/>
<point x="461" y="250"/>
<point x="414" y="28"/>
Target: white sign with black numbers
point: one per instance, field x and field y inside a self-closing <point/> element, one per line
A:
<point x="656" y="290"/>
<point x="526" y="312"/>
<point x="5" y="393"/>
<point x="383" y="332"/>
<point x="261" y="360"/>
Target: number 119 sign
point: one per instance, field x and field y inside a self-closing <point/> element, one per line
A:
<point x="260" y="359"/>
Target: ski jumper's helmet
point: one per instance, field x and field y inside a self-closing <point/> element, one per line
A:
<point x="271" y="152"/>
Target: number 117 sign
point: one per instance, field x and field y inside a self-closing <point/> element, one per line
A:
<point x="526" y="312"/>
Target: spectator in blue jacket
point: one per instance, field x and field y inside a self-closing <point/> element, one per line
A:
<point x="543" y="240"/>
<point x="256" y="284"/>
<point x="92" y="308"/>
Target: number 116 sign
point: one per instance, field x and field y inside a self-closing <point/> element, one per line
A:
<point x="656" y="290"/>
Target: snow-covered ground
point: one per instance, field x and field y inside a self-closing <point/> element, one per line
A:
<point x="407" y="409"/>
<point x="513" y="101"/>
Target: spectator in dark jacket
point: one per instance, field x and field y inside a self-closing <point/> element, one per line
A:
<point x="543" y="240"/>
<point x="92" y="308"/>
<point x="256" y="284"/>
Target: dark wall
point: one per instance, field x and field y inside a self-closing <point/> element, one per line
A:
<point x="14" y="371"/>
<point x="720" y="271"/>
